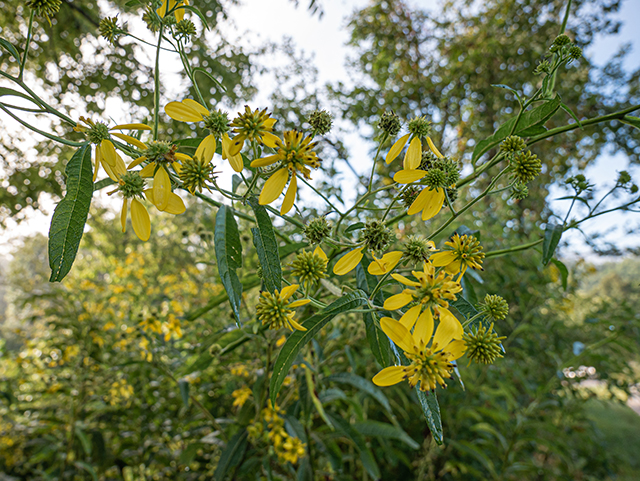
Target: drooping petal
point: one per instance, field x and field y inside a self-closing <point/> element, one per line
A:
<point x="131" y="127"/>
<point x="399" y="334"/>
<point x="274" y="186"/>
<point x="456" y="349"/>
<point x="290" y="197"/>
<point x="424" y="327"/>
<point x="270" y="122"/>
<point x="175" y="205"/>
<point x="320" y="253"/>
<point x="387" y="263"/>
<point x="448" y="329"/>
<point x="182" y="113"/>
<point x="182" y="157"/>
<point x="389" y="376"/>
<point x="409" y="318"/>
<point x="130" y="140"/>
<point x="140" y="220"/>
<point x="403" y="280"/>
<point x="433" y="148"/>
<point x="396" y="148"/>
<point x="296" y="325"/>
<point x="149" y="170"/>
<point x="348" y="262"/>
<point x="408" y="176"/>
<point x="166" y="6"/>
<point x="413" y="157"/>
<point x="96" y="163"/>
<point x="440" y="259"/>
<point x="123" y="215"/>
<point x="202" y="110"/>
<point x="298" y="303"/>
<point x="136" y="162"/>
<point x="207" y="148"/>
<point x="270" y="140"/>
<point x="398" y="301"/>
<point x="108" y="151"/>
<point x="434" y="205"/>
<point x="161" y="188"/>
<point x="421" y="201"/>
<point x="265" y="161"/>
<point x="236" y="144"/>
<point x="177" y="167"/>
<point x="288" y="291"/>
<point x="115" y="171"/>
<point x="236" y="162"/>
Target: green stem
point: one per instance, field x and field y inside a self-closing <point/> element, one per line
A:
<point x="41" y="132"/>
<point x="566" y="18"/>
<point x="321" y="195"/>
<point x="26" y="48"/>
<point x="509" y="250"/>
<point x="358" y="202"/>
<point x="375" y="159"/>
<point x="156" y="84"/>
<point x="379" y="285"/>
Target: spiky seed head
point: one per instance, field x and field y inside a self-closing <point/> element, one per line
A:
<point x="131" y="185"/>
<point x="309" y="268"/>
<point x="575" y="52"/>
<point x="185" y="29"/>
<point x="376" y="236"/>
<point x="195" y="173"/>
<point x="526" y="166"/>
<point x="320" y="121"/>
<point x="483" y="345"/>
<point x="109" y="29"/>
<point x="562" y="40"/>
<point x="417" y="250"/>
<point x="513" y="144"/>
<point x="543" y="67"/>
<point x="160" y="152"/>
<point x="519" y="191"/>
<point x="428" y="160"/>
<point x="408" y="195"/>
<point x="317" y="230"/>
<point x="436" y="177"/>
<point x="495" y="307"/>
<point x="44" y="8"/>
<point x="151" y="19"/>
<point x="452" y="193"/>
<point x="419" y="126"/>
<point x="390" y="123"/>
<point x="217" y="122"/>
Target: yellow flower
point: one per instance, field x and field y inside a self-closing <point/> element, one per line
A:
<point x="432" y="292"/>
<point x="275" y="311"/>
<point x="385" y="264"/>
<point x="295" y="155"/>
<point x="252" y="126"/>
<point x="130" y="186"/>
<point x="348" y="262"/>
<point x="464" y="252"/>
<point x="240" y="396"/>
<point x="172" y="328"/>
<point x="100" y="134"/>
<point x="412" y="157"/>
<point x="169" y="5"/>
<point x="430" y="365"/>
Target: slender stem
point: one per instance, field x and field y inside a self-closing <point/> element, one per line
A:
<point x="41" y="132"/>
<point x="26" y="48"/>
<point x="358" y="202"/>
<point x="510" y="250"/>
<point x="379" y="285"/>
<point x="375" y="159"/>
<point x="149" y="43"/>
<point x="470" y="320"/>
<point x="321" y="195"/>
<point x="566" y="18"/>
<point x="156" y="83"/>
<point x="391" y="204"/>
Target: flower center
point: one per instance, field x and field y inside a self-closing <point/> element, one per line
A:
<point x="428" y="368"/>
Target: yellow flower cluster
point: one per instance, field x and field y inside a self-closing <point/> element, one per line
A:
<point x="287" y="448"/>
<point x="119" y="391"/>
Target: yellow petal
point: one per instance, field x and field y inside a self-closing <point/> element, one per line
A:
<point x="123" y="215"/>
<point x="386" y="264"/>
<point x="398" y="301"/>
<point x="441" y="259"/>
<point x="179" y="12"/>
<point x="236" y="162"/>
<point x="207" y="148"/>
<point x="115" y="171"/>
<point x="424" y="326"/>
<point x="348" y="262"/>
<point x="140" y="220"/>
<point x="270" y="140"/>
<point x="196" y="106"/>
<point x="403" y="280"/>
<point x="265" y="161"/>
<point x="236" y="145"/>
<point x="288" y="291"/>
<point x="182" y="113"/>
<point x="449" y="328"/>
<point x="299" y="303"/>
<point x="434" y="205"/>
<point x="274" y="186"/>
<point x="175" y="205"/>
<point x="131" y="127"/>
<point x="456" y="349"/>
<point x="108" y="152"/>
<point x="149" y="170"/>
<point x="166" y="6"/>
<point x="177" y="167"/>
<point x="389" y="376"/>
<point x="290" y="197"/>
<point x="320" y="253"/>
<point x="182" y="157"/>
<point x="297" y="326"/>
<point x="421" y="201"/>
<point x="397" y="148"/>
<point x="96" y="166"/>
<point x="161" y="188"/>
<point x="413" y="157"/>
<point x="433" y="148"/>
<point x="409" y="318"/>
<point x="408" y="176"/>
<point x="399" y="334"/>
<point x="136" y="162"/>
<point x="226" y="143"/>
<point x="269" y="123"/>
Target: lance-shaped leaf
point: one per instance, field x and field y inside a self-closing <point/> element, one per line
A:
<point x="552" y="235"/>
<point x="267" y="247"/>
<point x="298" y="339"/>
<point x="229" y="256"/>
<point x="368" y="461"/>
<point x="231" y="455"/>
<point x="70" y="216"/>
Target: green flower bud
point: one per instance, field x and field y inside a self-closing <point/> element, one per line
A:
<point x="151" y="19"/>
<point x="309" y="267"/>
<point x="417" y="250"/>
<point x="526" y="166"/>
<point x="513" y="144"/>
<point x="483" y="345"/>
<point x="519" y="191"/>
<point x="543" y="67"/>
<point x="317" y="230"/>
<point x="110" y="30"/>
<point x="131" y="185"/>
<point x="160" y="152"/>
<point x="45" y="8"/>
<point x="436" y="178"/>
<point x="428" y="160"/>
<point x="217" y="122"/>
<point x="562" y="40"/>
<point x="575" y="52"/>
<point x="419" y="126"/>
<point x="623" y="177"/>
<point x="389" y="123"/>
<point x="376" y="236"/>
<point x="195" y="173"/>
<point x="495" y="307"/>
<point x="185" y="29"/>
<point x="320" y="121"/>
<point x="633" y="189"/>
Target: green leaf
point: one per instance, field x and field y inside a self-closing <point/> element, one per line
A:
<point x="101" y="184"/>
<point x="363" y="385"/>
<point x="564" y="272"/>
<point x="188" y="454"/>
<point x="378" y="341"/>
<point x="229" y="256"/>
<point x="210" y="75"/>
<point x="231" y="455"/>
<point x="84" y="440"/>
<point x="568" y="110"/>
<point x="9" y="47"/>
<point x="354" y="227"/>
<point x="87" y="467"/>
<point x="631" y="120"/>
<point x="132" y="3"/>
<point x="431" y="411"/>
<point x="529" y="123"/>
<point x="70" y="216"/>
<point x="298" y="339"/>
<point x="14" y="93"/>
<point x="184" y="391"/>
<point x="552" y="235"/>
<point x="366" y="456"/>
<point x="385" y="430"/>
<point x="468" y="291"/>
<point x="267" y="247"/>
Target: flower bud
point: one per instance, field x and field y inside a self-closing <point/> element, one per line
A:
<point x="389" y="123"/>
<point x="526" y="166"/>
<point x="376" y="236"/>
<point x="495" y="307"/>
<point x="185" y="29"/>
<point x="575" y="52"/>
<point x="109" y="29"/>
<point x="44" y="8"/>
<point x="483" y="345"/>
<point x="519" y="191"/>
<point x="195" y="173"/>
<point x="320" y="121"/>
<point x="419" y="126"/>
<point x="317" y="229"/>
<point x="417" y="250"/>
<point x="513" y="144"/>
